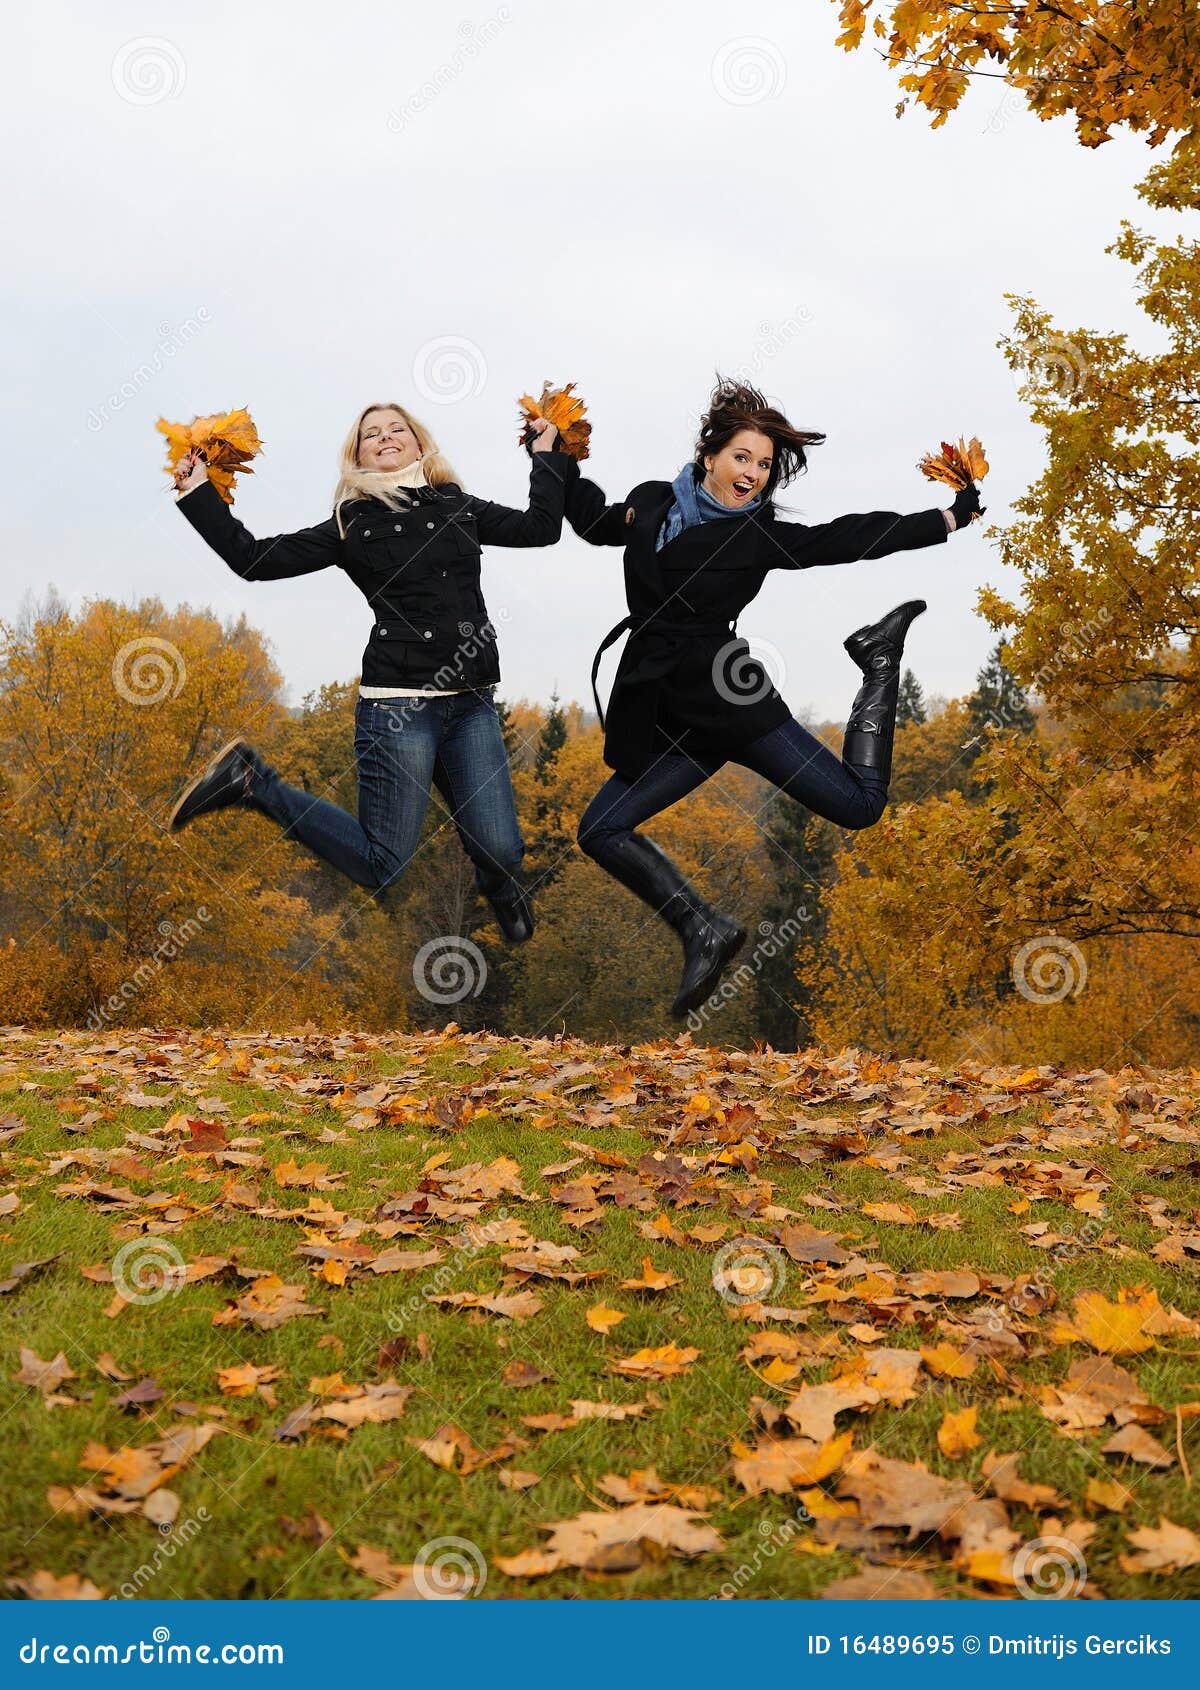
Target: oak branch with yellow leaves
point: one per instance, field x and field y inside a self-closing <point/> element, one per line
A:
<point x="1103" y="64"/>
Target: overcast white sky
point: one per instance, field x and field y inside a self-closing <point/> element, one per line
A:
<point x="304" y="208"/>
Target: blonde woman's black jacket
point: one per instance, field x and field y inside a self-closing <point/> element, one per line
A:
<point x="686" y="680"/>
<point x="417" y="567"/>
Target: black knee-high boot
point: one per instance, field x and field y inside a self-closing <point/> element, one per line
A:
<point x="877" y="649"/>
<point x="710" y="939"/>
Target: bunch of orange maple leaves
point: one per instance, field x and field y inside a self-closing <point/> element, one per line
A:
<point x="227" y="441"/>
<point x="559" y="406"/>
<point x="957" y="465"/>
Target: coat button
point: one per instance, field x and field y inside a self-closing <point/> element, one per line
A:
<point x="429" y="633"/>
<point x="366" y="533"/>
<point x="443" y="574"/>
<point x="383" y="630"/>
<point x="429" y="525"/>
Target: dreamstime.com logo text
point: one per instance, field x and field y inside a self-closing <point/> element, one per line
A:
<point x="157" y="1651"/>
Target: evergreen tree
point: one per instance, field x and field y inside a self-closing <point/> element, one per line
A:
<point x="910" y="706"/>
<point x="507" y="728"/>
<point x="802" y="848"/>
<point x="552" y="737"/>
<point x="999" y="699"/>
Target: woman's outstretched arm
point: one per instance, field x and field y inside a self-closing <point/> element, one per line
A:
<point x="550" y="472"/>
<point x="847" y="539"/>
<point x="873" y="534"/>
<point x="274" y="559"/>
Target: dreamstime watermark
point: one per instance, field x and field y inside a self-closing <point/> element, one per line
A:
<point x="473" y="39"/>
<point x="171" y="340"/>
<point x="466" y="1249"/>
<point x="1016" y="99"/>
<point x="1050" y="364"/>
<point x="449" y="1569"/>
<point x="1049" y="1568"/>
<point x="1078" y="640"/>
<point x="148" y="1269"/>
<point x="773" y="938"/>
<point x="1033" y="1294"/>
<point x="148" y="670"/>
<point x="449" y="368"/>
<point x="474" y="639"/>
<point x="748" y="1270"/>
<point x="747" y="70"/>
<point x="747" y="671"/>
<point x="1048" y="969"/>
<point x="148" y="69"/>
<point x="173" y="939"/>
<point x="175" y="1537"/>
<point x="771" y="340"/>
<point x="449" y="968"/>
<point x="775" y="1536"/>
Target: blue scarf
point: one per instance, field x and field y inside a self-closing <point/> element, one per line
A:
<point x="693" y="504"/>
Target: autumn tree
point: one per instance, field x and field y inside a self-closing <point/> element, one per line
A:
<point x="1103" y="64"/>
<point x="103" y="716"/>
<point x="1084" y="844"/>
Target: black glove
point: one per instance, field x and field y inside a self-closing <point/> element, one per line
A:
<point x="966" y="504"/>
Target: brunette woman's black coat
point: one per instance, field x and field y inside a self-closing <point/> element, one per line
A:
<point x="685" y="680"/>
<point x="418" y="568"/>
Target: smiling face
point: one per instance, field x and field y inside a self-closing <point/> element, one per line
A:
<point x="740" y="470"/>
<point x="385" y="441"/>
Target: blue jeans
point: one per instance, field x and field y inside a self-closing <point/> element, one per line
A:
<point x="788" y="756"/>
<point x="403" y="747"/>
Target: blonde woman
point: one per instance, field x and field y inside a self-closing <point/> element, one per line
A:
<point x="409" y="538"/>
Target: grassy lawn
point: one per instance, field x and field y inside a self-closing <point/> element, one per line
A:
<point x="675" y="1153"/>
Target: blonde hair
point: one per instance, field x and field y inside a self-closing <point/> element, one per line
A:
<point x="355" y="482"/>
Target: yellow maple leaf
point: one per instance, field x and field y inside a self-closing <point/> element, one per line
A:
<point x="1116" y="1328"/>
<point x="956" y="1434"/>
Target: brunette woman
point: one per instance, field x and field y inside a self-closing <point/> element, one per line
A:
<point x="409" y="538"/>
<point x="688" y="696"/>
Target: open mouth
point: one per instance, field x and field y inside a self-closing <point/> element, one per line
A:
<point x="743" y="489"/>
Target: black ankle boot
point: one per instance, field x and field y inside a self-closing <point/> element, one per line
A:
<point x="877" y="649"/>
<point x="513" y="911"/>
<point x="227" y="780"/>
<point x="710" y="939"/>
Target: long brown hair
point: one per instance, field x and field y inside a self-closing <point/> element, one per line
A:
<point x="736" y="405"/>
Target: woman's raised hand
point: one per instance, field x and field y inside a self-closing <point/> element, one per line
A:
<point x="190" y="471"/>
<point x="546" y="434"/>
<point x="966" y="505"/>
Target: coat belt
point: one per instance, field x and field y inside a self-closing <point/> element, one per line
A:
<point x="649" y="624"/>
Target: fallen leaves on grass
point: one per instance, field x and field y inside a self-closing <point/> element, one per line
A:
<point x="665" y="1362"/>
<point x="619" y="1542"/>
